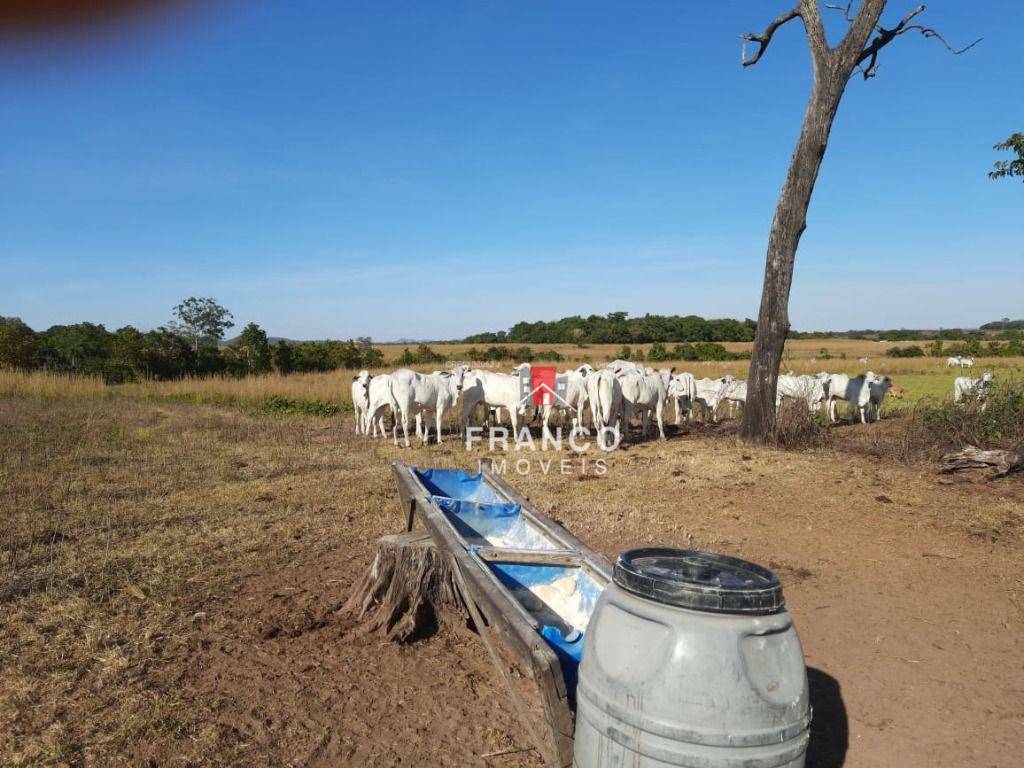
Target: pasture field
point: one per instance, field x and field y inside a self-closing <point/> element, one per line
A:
<point x="173" y="557"/>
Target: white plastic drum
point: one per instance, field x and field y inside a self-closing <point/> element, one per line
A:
<point x="690" y="659"/>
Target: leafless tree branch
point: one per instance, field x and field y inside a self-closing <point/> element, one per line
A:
<point x="765" y="37"/>
<point x="887" y="35"/>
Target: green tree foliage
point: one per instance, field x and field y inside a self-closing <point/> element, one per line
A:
<point x="618" y="328"/>
<point x="911" y="351"/>
<point x="252" y="349"/>
<point x="1009" y="168"/>
<point x="202" y="321"/>
<point x="17" y="344"/>
<point x="284" y="360"/>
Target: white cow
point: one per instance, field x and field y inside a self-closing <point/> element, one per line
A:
<point x="863" y="360"/>
<point x="682" y="390"/>
<point x="621" y="366"/>
<point x="416" y="393"/>
<point x="643" y="393"/>
<point x="361" y="397"/>
<point x="733" y="391"/>
<point x="604" y="393"/>
<point x="966" y="362"/>
<point x="878" y="388"/>
<point x="575" y="395"/>
<point x="810" y="389"/>
<point x="952" y="362"/>
<point x="380" y="400"/>
<point x="495" y="391"/>
<point x="708" y="391"/>
<point x="854" y="391"/>
<point x="966" y="387"/>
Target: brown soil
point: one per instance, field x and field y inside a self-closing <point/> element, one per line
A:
<point x="908" y="595"/>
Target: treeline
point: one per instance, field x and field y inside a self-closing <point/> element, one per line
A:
<point x="618" y="328"/>
<point x="970" y="348"/>
<point x="189" y="345"/>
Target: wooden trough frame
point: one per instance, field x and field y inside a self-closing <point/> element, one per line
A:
<point x="498" y="615"/>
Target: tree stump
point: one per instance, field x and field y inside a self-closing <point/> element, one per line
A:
<point x="970" y="457"/>
<point x="408" y="591"/>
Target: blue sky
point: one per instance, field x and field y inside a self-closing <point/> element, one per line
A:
<point x="428" y="170"/>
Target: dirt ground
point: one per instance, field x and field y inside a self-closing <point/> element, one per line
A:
<point x="172" y="577"/>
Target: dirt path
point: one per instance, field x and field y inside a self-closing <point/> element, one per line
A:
<point x="907" y="594"/>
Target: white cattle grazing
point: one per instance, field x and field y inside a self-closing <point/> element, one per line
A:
<point x="416" y="393"/>
<point x="863" y="360"/>
<point x="494" y="390"/>
<point x="682" y="391"/>
<point x="966" y="387"/>
<point x="809" y="389"/>
<point x="380" y="400"/>
<point x="842" y="387"/>
<point x="878" y="388"/>
<point x="952" y="362"/>
<point x="361" y="397"/>
<point x="707" y="392"/>
<point x="604" y="393"/>
<point x="575" y="395"/>
<point x="966" y="362"/>
<point x="643" y="393"/>
<point x="733" y="391"/>
<point x="621" y="366"/>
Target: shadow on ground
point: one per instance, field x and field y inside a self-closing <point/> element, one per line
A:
<point x="830" y="729"/>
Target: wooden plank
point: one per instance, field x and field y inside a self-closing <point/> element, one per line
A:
<point x="569" y="557"/>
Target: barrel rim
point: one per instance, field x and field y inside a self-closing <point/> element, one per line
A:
<point x="634" y="573"/>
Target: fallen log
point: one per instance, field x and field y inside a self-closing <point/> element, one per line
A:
<point x="408" y="591"/>
<point x="971" y="457"/>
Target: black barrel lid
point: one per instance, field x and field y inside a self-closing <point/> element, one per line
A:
<point x="699" y="581"/>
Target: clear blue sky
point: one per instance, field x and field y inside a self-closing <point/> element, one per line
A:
<point x="434" y="169"/>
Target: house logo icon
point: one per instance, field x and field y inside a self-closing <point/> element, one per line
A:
<point x="541" y="385"/>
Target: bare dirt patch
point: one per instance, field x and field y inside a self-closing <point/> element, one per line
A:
<point x="178" y="571"/>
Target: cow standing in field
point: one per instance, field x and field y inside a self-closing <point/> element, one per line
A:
<point x="734" y="392"/>
<point x="380" y="400"/>
<point x="854" y="391"/>
<point x="809" y="389"/>
<point x="415" y="393"/>
<point x="682" y="390"/>
<point x="646" y="394"/>
<point x="968" y="388"/>
<point x="952" y="362"/>
<point x="877" y="390"/>
<point x="966" y="362"/>
<point x="604" y="393"/>
<point x="495" y="391"/>
<point x="361" y="398"/>
<point x="575" y="396"/>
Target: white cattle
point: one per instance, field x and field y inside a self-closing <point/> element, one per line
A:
<point x="842" y="387"/>
<point x="863" y="360"/>
<point x="575" y="395"/>
<point x="682" y="390"/>
<point x="733" y="391"/>
<point x="966" y="362"/>
<point x="416" y="393"/>
<point x="809" y="389"/>
<point x="643" y="393"/>
<point x="707" y="394"/>
<point x="878" y="388"/>
<point x="604" y="393"/>
<point x="380" y="400"/>
<point x="621" y="366"/>
<point x="966" y="387"/>
<point x="952" y="362"/>
<point x="361" y="397"/>
<point x="495" y="391"/>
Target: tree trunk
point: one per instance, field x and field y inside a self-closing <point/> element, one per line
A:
<point x="408" y="591"/>
<point x="787" y="227"/>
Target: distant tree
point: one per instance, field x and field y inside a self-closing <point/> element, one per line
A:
<point x="17" y="344"/>
<point x="252" y="344"/>
<point x="201" y="321"/>
<point x="1009" y="168"/>
<point x="80" y="348"/>
<point x="283" y="360"/>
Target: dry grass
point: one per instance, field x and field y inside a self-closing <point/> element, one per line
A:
<point x="42" y="384"/>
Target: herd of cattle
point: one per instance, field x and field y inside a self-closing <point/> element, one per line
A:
<point x="611" y="396"/>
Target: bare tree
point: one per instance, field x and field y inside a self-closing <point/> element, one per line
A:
<point x="833" y="67"/>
